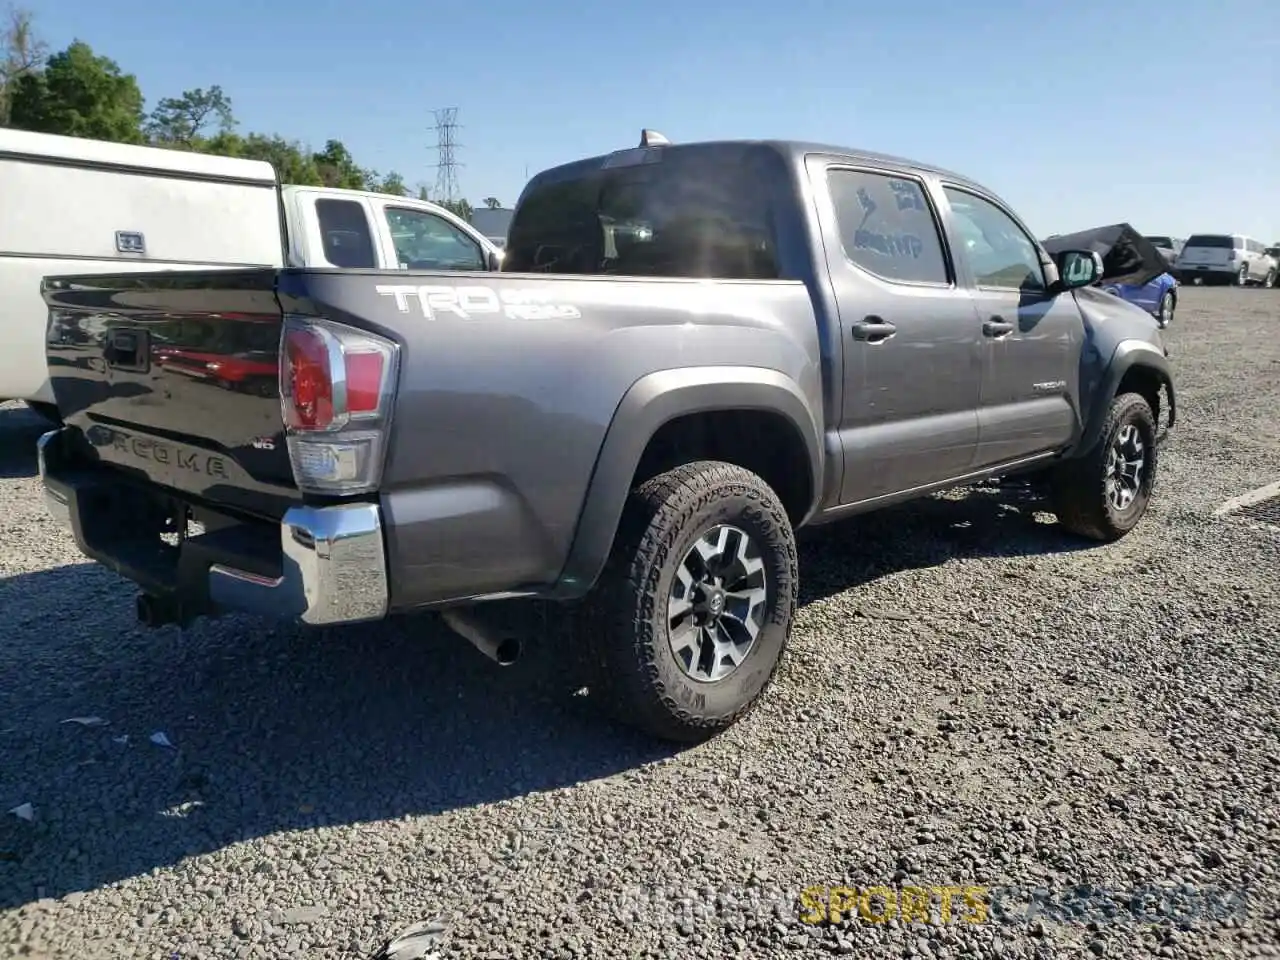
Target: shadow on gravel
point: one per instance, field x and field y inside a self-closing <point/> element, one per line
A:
<point x="19" y="431"/>
<point x="982" y="521"/>
<point x="277" y="729"/>
<point x="272" y="729"/>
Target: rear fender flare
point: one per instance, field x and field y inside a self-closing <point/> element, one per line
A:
<point x="651" y="402"/>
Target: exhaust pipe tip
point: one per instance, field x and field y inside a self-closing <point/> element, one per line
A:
<point x="507" y="651"/>
<point x="157" y="612"/>
<point x="502" y="648"/>
<point x="146" y="609"/>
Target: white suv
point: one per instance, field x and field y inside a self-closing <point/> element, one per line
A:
<point x="1226" y="258"/>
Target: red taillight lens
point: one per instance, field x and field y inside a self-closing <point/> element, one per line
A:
<point x="336" y="386"/>
<point x="364" y="382"/>
<point x="308" y="381"/>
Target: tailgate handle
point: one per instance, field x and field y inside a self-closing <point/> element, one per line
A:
<point x="127" y="350"/>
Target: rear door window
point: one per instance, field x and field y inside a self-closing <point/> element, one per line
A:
<point x="345" y="235"/>
<point x="887" y="226"/>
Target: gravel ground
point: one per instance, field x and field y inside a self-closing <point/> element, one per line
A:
<point x="970" y="700"/>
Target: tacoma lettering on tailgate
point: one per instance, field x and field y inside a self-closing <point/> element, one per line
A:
<point x="167" y="454"/>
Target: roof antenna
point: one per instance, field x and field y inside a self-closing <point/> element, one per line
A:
<point x="652" y="138"/>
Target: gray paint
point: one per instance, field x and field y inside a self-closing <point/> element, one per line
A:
<point x="514" y="440"/>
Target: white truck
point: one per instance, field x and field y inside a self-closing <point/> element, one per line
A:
<point x="72" y="205"/>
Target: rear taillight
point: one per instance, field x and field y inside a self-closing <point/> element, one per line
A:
<point x="336" y="389"/>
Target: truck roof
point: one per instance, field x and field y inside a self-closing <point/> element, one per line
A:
<point x="793" y="150"/>
<point x="82" y="151"/>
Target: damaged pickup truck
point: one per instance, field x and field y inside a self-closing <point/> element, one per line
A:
<point x="691" y="351"/>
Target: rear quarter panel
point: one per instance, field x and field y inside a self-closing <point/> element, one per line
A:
<point x="508" y="385"/>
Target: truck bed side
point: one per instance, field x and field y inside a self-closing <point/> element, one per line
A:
<point x="510" y="385"/>
<point x="522" y="408"/>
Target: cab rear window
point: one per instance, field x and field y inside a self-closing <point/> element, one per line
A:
<point x="678" y="212"/>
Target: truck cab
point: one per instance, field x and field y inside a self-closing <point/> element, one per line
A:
<point x="363" y="230"/>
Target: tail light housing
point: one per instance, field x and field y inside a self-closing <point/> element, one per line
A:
<point x="336" y="390"/>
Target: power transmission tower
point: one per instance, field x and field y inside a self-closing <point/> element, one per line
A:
<point x="447" y="145"/>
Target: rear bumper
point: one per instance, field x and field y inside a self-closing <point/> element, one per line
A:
<point x="1184" y="272"/>
<point x="319" y="565"/>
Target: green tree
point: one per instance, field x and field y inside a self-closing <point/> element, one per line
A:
<point x="21" y="53"/>
<point x="79" y="94"/>
<point x="293" y="163"/>
<point x="392" y="183"/>
<point x="459" y="208"/>
<point x="338" y="168"/>
<point x="182" y="121"/>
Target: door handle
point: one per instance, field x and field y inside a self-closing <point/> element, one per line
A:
<point x="996" y="327"/>
<point x="873" y="330"/>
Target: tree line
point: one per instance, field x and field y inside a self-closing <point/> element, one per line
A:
<point x="79" y="93"/>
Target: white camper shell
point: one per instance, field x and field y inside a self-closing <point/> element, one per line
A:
<point x="76" y="206"/>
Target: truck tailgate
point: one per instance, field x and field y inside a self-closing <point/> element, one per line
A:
<point x="174" y="379"/>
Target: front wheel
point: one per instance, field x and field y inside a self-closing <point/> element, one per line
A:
<point x="1165" y="313"/>
<point x="690" y="618"/>
<point x="1270" y="281"/>
<point x="1103" y="494"/>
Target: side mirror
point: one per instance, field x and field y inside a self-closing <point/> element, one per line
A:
<point x="495" y="260"/>
<point x="1078" y="268"/>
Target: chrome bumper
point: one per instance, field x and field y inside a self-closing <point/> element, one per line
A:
<point x="332" y="559"/>
<point x="335" y="569"/>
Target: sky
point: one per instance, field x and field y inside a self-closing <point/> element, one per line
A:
<point x="1076" y="113"/>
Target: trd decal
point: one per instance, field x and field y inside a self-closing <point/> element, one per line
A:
<point x="477" y="302"/>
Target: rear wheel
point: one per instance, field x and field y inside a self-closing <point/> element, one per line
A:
<point x="691" y="616"/>
<point x="1103" y="494"/>
<point x="1242" y="278"/>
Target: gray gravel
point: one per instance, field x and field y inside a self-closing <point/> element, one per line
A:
<point x="970" y="699"/>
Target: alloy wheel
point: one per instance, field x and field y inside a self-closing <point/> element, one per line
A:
<point x="717" y="604"/>
<point x="1125" y="463"/>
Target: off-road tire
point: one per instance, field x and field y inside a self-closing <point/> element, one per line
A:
<point x="622" y="626"/>
<point x="1165" y="317"/>
<point x="1077" y="487"/>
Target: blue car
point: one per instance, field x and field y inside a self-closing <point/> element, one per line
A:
<point x="1159" y="297"/>
<point x="1133" y="269"/>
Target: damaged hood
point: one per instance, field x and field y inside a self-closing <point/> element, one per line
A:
<point x="1127" y="256"/>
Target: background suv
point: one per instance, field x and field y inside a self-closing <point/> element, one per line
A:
<point x="1226" y="258"/>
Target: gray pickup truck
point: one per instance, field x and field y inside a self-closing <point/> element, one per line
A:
<point x="690" y="352"/>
